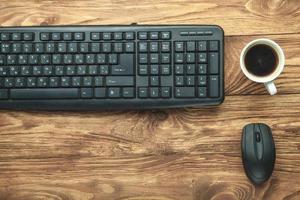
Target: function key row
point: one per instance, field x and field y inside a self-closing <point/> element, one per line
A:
<point x="166" y="35"/>
<point x="80" y="36"/>
<point x="191" y="46"/>
<point x="27" y="36"/>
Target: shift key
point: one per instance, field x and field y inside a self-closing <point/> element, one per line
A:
<point x="119" y="81"/>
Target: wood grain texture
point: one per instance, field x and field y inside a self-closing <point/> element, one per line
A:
<point x="237" y="17"/>
<point x="176" y="154"/>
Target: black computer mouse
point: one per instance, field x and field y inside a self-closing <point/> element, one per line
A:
<point x="258" y="152"/>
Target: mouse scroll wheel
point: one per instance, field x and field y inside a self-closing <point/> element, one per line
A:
<point x="257" y="137"/>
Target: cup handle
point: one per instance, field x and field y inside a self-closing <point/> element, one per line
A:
<point x="270" y="86"/>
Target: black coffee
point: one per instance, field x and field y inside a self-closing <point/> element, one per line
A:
<point x="261" y="60"/>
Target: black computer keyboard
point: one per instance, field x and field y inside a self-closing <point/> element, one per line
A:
<point x="111" y="67"/>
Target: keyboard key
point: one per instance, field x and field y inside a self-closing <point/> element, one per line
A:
<point x="118" y="47"/>
<point x="179" y="58"/>
<point x="143" y="46"/>
<point x="201" y="80"/>
<point x="190" y="46"/>
<point x="87" y="81"/>
<point x="54" y="81"/>
<point x="27" y="48"/>
<point x="79" y="36"/>
<point x="165" y="47"/>
<point x="42" y="82"/>
<point x="86" y="93"/>
<point x="202" y="46"/>
<point x="214" y="45"/>
<point x="143" y="69"/>
<point x="128" y="92"/>
<point x="106" y="47"/>
<point x="190" y="69"/>
<point x="202" y="68"/>
<point x="101" y="58"/>
<point x="184" y="92"/>
<point x="201" y="91"/>
<point x="89" y="59"/>
<point x="95" y="47"/>
<point x="119" y="81"/>
<point x="113" y="59"/>
<point x="114" y="92"/>
<point x="143" y="58"/>
<point x="129" y="35"/>
<point x="76" y="81"/>
<point x="122" y="70"/>
<point x="50" y="48"/>
<point x="106" y="36"/>
<point x="165" y="35"/>
<point x="129" y="47"/>
<point x="31" y="82"/>
<point x="84" y="47"/>
<point x="71" y="70"/>
<point x="56" y="36"/>
<point x="118" y="36"/>
<point x="16" y="47"/>
<point x="4" y="36"/>
<point x="190" y="58"/>
<point x="179" y="80"/>
<point x="57" y="93"/>
<point x="190" y="80"/>
<point x="104" y="69"/>
<point x="202" y="58"/>
<point x="154" y="80"/>
<point x="214" y="86"/>
<point x="165" y="58"/>
<point x="100" y="92"/>
<point x="20" y="82"/>
<point x="154" y="58"/>
<point x="214" y="63"/>
<point x="92" y="70"/>
<point x="179" y="69"/>
<point x="143" y="92"/>
<point x="62" y="47"/>
<point x="81" y="69"/>
<point x="165" y="69"/>
<point x="3" y="93"/>
<point x="98" y="81"/>
<point x="154" y="70"/>
<point x="142" y="35"/>
<point x="72" y="47"/>
<point x="67" y="36"/>
<point x="9" y="82"/>
<point x="95" y="36"/>
<point x="3" y="71"/>
<point x="166" y="92"/>
<point x="59" y="70"/>
<point x="65" y="81"/>
<point x="45" y="36"/>
<point x="154" y="35"/>
<point x="48" y="70"/>
<point x="179" y="46"/>
<point x="154" y="92"/>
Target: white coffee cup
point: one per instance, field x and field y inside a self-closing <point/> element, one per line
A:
<point x="268" y="79"/>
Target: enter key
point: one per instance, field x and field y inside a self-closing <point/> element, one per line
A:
<point x="125" y="67"/>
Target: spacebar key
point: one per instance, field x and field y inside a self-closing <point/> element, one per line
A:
<point x="64" y="93"/>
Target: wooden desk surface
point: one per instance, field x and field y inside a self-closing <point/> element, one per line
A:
<point x="176" y="154"/>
